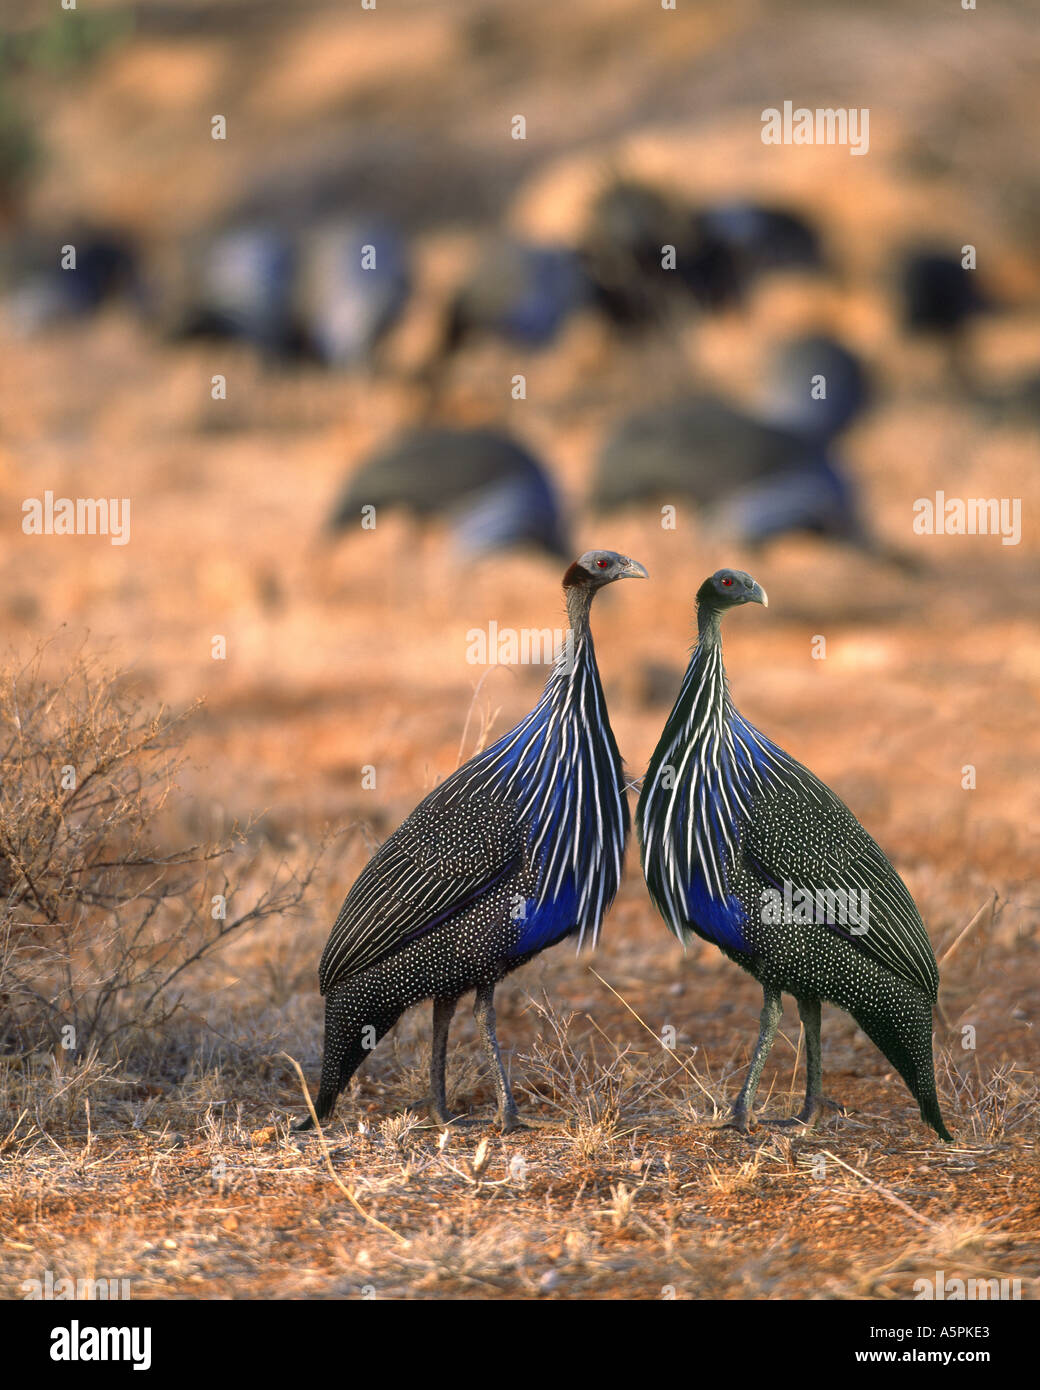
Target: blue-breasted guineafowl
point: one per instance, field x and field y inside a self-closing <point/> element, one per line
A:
<point x="519" y="848"/>
<point x="744" y="847"/>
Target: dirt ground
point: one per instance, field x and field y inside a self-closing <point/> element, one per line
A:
<point x="175" y="1167"/>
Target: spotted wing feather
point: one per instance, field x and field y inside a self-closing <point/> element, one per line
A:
<point x="442" y="858"/>
<point x="801" y="833"/>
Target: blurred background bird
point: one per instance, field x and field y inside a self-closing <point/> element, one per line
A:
<point x="491" y="490"/>
<point x="240" y="285"/>
<point x="352" y="284"/>
<point x="53" y="276"/>
<point x="328" y="293"/>
<point x="651" y="259"/>
<point x="756" y="475"/>
<point x="941" y="298"/>
<point x="760" y="238"/>
<point x="521" y="292"/>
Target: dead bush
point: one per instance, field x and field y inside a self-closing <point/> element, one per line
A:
<point x="101" y="911"/>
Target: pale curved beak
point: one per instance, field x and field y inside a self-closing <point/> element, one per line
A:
<point x="759" y="595"/>
<point x="633" y="570"/>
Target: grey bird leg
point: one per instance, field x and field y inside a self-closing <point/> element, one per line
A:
<point x="769" y="1021"/>
<point x="809" y="1013"/>
<point x="484" y="1013"/>
<point x="443" y="1009"/>
<point x="815" y="1100"/>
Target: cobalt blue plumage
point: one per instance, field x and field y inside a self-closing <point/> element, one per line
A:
<point x="744" y="847"/>
<point x="762" y="239"/>
<point x="519" y="848"/>
<point x="41" y="286"/>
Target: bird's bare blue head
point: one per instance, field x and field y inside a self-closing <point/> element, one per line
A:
<point x="590" y="573"/>
<point x="596" y="568"/>
<point x="724" y="590"/>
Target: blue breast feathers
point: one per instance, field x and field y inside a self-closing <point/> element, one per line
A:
<point x="543" y="924"/>
<point x="721" y="921"/>
<point x="718" y="798"/>
<point x="560" y="771"/>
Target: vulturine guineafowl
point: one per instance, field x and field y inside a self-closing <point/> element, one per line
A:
<point x="940" y="298"/>
<point x="760" y="239"/>
<point x="744" y="847"/>
<point x="239" y="284"/>
<point x="327" y="293"/>
<point x="491" y="489"/>
<point x="519" y="848"/>
<point x="757" y="475"/>
<point x="815" y="387"/>
<point x="518" y="292"/>
<point x="649" y="257"/>
<point x="939" y="294"/>
<point x="353" y="282"/>
<point x="50" y="279"/>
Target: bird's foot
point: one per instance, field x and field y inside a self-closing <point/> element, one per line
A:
<point x="509" y="1121"/>
<point x="512" y="1123"/>
<point x="835" y="1105"/>
<point x="808" y="1115"/>
<point x="740" y="1119"/>
<point x="441" y="1115"/>
<point x="307" y="1125"/>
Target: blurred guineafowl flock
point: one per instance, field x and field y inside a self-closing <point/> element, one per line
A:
<point x="302" y="276"/>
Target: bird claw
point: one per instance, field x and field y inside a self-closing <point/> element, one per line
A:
<point x="510" y="1126"/>
<point x="509" y="1123"/>
<point x="443" y="1118"/>
<point x="437" y="1111"/>
<point x="808" y="1115"/>
<point x="740" y="1120"/>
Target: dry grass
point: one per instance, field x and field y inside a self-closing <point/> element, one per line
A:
<point x="621" y="1191"/>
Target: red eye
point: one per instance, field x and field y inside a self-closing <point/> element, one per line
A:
<point x="603" y="564"/>
<point x="727" y="582"/>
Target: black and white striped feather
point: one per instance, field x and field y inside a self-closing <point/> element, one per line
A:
<point x="544" y="808"/>
<point x="725" y="813"/>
